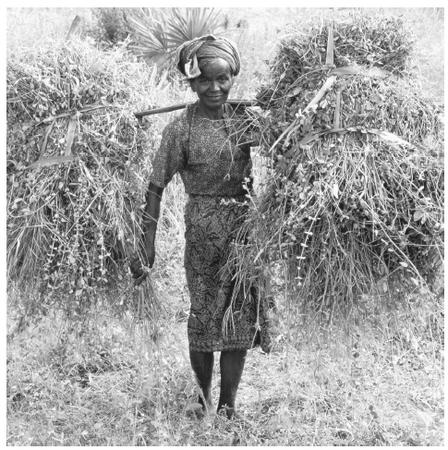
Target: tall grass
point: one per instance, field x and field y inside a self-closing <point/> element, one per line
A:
<point x="32" y="28"/>
<point x="378" y="383"/>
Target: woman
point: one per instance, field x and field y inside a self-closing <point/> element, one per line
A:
<point x="206" y="146"/>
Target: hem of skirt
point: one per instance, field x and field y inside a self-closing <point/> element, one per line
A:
<point x="236" y="195"/>
<point x="260" y="338"/>
<point x="245" y="345"/>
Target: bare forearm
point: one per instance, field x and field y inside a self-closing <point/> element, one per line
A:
<point x="149" y="226"/>
<point x="152" y="211"/>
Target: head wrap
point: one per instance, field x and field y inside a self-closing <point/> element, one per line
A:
<point x="191" y="53"/>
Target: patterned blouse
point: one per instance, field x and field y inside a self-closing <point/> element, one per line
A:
<point x="211" y="156"/>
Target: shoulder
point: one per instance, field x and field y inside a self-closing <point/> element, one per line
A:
<point x="177" y="127"/>
<point x="176" y="124"/>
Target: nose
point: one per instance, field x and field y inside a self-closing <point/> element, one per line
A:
<point x="214" y="86"/>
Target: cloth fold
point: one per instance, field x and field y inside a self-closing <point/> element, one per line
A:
<point x="191" y="54"/>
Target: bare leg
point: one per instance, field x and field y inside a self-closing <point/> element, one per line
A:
<point x="232" y="365"/>
<point x="202" y="364"/>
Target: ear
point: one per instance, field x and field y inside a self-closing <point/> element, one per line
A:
<point x="193" y="85"/>
<point x="232" y="80"/>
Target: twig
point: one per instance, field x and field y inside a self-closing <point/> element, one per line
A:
<point x="71" y="131"/>
<point x="320" y="94"/>
<point x="85" y="110"/>
<point x="74" y="28"/>
<point x="329" y="61"/>
<point x="337" y="110"/>
<point x="47" y="134"/>
<point x="50" y="161"/>
<point x="317" y="98"/>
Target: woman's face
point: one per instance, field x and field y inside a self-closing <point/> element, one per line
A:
<point x="214" y="84"/>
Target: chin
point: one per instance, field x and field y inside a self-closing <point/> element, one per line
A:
<point x="216" y="102"/>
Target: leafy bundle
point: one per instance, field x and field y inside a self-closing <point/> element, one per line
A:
<point x="76" y="169"/>
<point x="355" y="194"/>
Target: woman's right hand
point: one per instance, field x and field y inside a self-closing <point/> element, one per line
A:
<point x="144" y="258"/>
<point x="149" y="254"/>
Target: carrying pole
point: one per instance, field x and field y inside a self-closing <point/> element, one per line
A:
<point x="149" y="112"/>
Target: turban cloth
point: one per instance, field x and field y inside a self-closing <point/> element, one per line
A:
<point x="190" y="54"/>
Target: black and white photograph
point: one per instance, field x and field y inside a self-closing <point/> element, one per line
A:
<point x="225" y="225"/>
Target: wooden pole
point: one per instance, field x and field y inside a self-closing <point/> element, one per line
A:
<point x="165" y="109"/>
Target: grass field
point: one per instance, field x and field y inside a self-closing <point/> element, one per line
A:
<point x="374" y="378"/>
<point x="375" y="381"/>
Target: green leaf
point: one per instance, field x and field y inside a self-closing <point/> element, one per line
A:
<point x="419" y="216"/>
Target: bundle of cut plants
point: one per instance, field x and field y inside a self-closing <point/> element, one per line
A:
<point x="76" y="170"/>
<point x="354" y="199"/>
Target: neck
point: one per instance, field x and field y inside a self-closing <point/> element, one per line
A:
<point x="212" y="114"/>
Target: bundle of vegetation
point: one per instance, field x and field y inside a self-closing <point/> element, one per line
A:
<point x="354" y="199"/>
<point x="77" y="161"/>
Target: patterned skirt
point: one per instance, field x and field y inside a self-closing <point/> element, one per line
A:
<point x="211" y="226"/>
